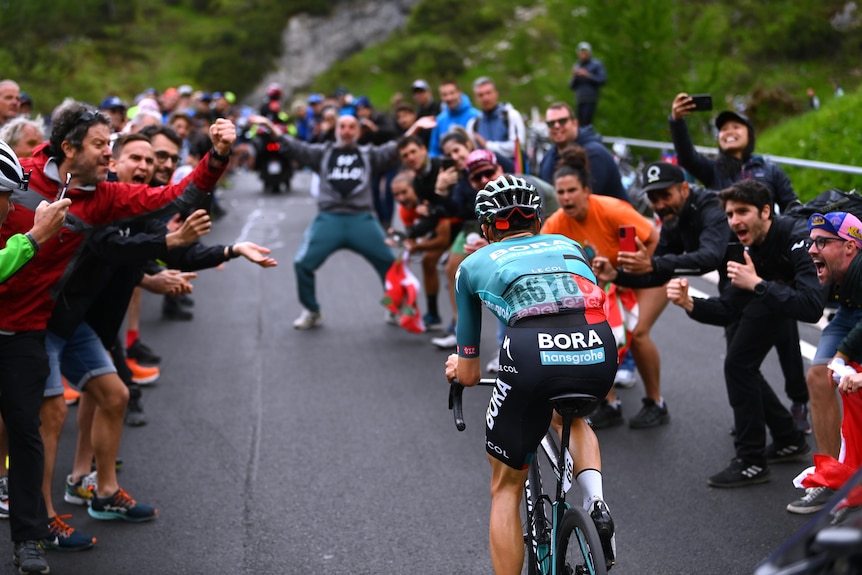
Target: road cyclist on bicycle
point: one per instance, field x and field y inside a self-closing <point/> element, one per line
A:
<point x="557" y="341"/>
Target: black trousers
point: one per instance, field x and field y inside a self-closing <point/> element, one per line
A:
<point x="790" y="359"/>
<point x="586" y="111"/>
<point x="23" y="372"/>
<point x="754" y="403"/>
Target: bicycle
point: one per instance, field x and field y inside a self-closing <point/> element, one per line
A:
<point x="559" y="539"/>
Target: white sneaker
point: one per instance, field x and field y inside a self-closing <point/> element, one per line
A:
<point x="448" y="341"/>
<point x="493" y="365"/>
<point x="307" y="319"/>
<point x="626" y="378"/>
<point x="390" y="318"/>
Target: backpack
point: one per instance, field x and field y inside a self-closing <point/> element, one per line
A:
<point x="832" y="200"/>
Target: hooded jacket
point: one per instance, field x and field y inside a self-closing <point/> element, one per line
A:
<point x="448" y="118"/>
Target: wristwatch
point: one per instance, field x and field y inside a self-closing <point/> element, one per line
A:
<point x="760" y="288"/>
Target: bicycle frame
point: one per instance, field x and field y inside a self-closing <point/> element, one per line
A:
<point x="541" y="542"/>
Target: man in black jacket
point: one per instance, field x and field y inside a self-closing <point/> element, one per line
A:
<point x="775" y="287"/>
<point x="693" y="241"/>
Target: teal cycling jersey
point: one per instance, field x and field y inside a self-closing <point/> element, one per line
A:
<point x="524" y="277"/>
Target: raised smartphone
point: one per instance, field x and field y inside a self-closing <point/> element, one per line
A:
<point x="627" y="239"/>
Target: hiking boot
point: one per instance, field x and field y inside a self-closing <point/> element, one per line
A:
<point x="445" y="342"/>
<point x="605" y="415"/>
<point x="4" y="497"/>
<point x="814" y="500"/>
<point x="135" y="416"/>
<point x="142" y="353"/>
<point x="121" y="506"/>
<point x="65" y="537"/>
<point x="650" y="415"/>
<point x="796" y="452"/>
<point x="81" y="491"/>
<point x="625" y="378"/>
<point x="432" y="322"/>
<point x="142" y="375"/>
<point x="601" y="516"/>
<point x="30" y="558"/>
<point x="740" y="474"/>
<point x="799" y="411"/>
<point x="307" y="319"/>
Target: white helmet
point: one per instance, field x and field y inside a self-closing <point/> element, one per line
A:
<point x="12" y="177"/>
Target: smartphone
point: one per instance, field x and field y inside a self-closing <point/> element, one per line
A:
<point x="735" y="252"/>
<point x="65" y="189"/>
<point x="627" y="239"/>
<point x="702" y="102"/>
<point x="446" y="163"/>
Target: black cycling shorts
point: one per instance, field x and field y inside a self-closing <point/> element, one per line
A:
<point x="541" y="357"/>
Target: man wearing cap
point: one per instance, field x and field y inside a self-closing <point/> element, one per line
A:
<point x="426" y="105"/>
<point x="836" y="241"/>
<point x="775" y="287"/>
<point x="588" y="76"/>
<point x="115" y="108"/>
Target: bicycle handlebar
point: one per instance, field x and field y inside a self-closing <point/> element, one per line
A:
<point x="456" y="403"/>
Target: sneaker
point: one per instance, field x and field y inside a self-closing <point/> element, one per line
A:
<point x="625" y="378"/>
<point x="30" y="558"/>
<point x="605" y="415"/>
<point x="390" y="318"/>
<point x="799" y="411"/>
<point x="432" y="322"/>
<point x="70" y="394"/>
<point x="185" y="300"/>
<point x="740" y="474"/>
<point x="814" y="500"/>
<point x="135" y="416"/>
<point x="80" y="492"/>
<point x="65" y="538"/>
<point x="493" y="365"/>
<point x="177" y="313"/>
<point x="142" y="375"/>
<point x="307" y="319"/>
<point x="650" y="415"/>
<point x="121" y="506"/>
<point x="798" y="452"/>
<point x="445" y="342"/>
<point x="601" y="516"/>
<point x="4" y="497"/>
<point x="142" y="353"/>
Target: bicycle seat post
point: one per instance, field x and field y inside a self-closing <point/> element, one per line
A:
<point x="570" y="406"/>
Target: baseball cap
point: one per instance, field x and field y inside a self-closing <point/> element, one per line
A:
<point x="661" y="175"/>
<point x="728" y="115"/>
<point x="842" y="224"/>
<point x="185" y="90"/>
<point x="362" y="101"/>
<point x="112" y="102"/>
<point x="479" y="160"/>
<point x="585" y="46"/>
<point x="420" y="86"/>
<point x="315" y="99"/>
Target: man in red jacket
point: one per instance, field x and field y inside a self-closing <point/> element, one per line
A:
<point x="77" y="154"/>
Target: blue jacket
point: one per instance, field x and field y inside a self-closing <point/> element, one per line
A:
<point x="587" y="87"/>
<point x="448" y="118"/>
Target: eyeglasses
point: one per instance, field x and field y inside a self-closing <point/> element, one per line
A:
<point x="559" y="122"/>
<point x="485" y="175"/>
<point x="501" y="218"/>
<point x="162" y="156"/>
<point x="87" y="116"/>
<point x="821" y="241"/>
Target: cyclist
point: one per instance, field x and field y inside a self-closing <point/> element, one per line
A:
<point x="557" y="341"/>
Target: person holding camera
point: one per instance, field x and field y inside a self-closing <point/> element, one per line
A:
<point x="737" y="161"/>
<point x="774" y="286"/>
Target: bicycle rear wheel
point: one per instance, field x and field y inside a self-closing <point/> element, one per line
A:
<point x="579" y="548"/>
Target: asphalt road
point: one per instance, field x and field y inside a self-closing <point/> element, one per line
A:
<point x="331" y="451"/>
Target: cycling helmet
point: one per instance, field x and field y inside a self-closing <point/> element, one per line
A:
<point x="273" y="91"/>
<point x="504" y="197"/>
<point x="12" y="177"/>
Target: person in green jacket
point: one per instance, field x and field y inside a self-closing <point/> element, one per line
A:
<point x="49" y="218"/>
